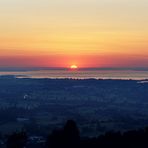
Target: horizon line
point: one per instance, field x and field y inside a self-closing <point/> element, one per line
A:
<point x="65" y="68"/>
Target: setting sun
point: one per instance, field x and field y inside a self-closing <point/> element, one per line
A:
<point x="73" y="66"/>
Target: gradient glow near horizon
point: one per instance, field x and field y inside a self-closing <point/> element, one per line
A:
<point x="87" y="33"/>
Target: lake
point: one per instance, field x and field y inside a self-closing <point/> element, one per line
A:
<point x="79" y="74"/>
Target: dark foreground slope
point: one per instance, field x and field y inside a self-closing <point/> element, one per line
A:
<point x="69" y="137"/>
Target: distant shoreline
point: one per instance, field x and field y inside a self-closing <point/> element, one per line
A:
<point x="77" y="79"/>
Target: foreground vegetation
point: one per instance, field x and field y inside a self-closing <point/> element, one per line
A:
<point x="69" y="137"/>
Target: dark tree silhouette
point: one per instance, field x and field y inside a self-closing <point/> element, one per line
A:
<point x="71" y="134"/>
<point x="68" y="137"/>
<point x="17" y="140"/>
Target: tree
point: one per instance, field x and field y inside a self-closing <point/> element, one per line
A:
<point x="17" y="140"/>
<point x="68" y="137"/>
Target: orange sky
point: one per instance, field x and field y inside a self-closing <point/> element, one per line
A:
<point x="59" y="33"/>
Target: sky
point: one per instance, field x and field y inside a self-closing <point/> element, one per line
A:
<point x="88" y="33"/>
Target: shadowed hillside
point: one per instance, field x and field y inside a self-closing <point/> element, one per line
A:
<point x="69" y="137"/>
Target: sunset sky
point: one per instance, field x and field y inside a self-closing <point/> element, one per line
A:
<point x="59" y="33"/>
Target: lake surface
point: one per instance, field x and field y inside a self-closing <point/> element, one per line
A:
<point x="79" y="74"/>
